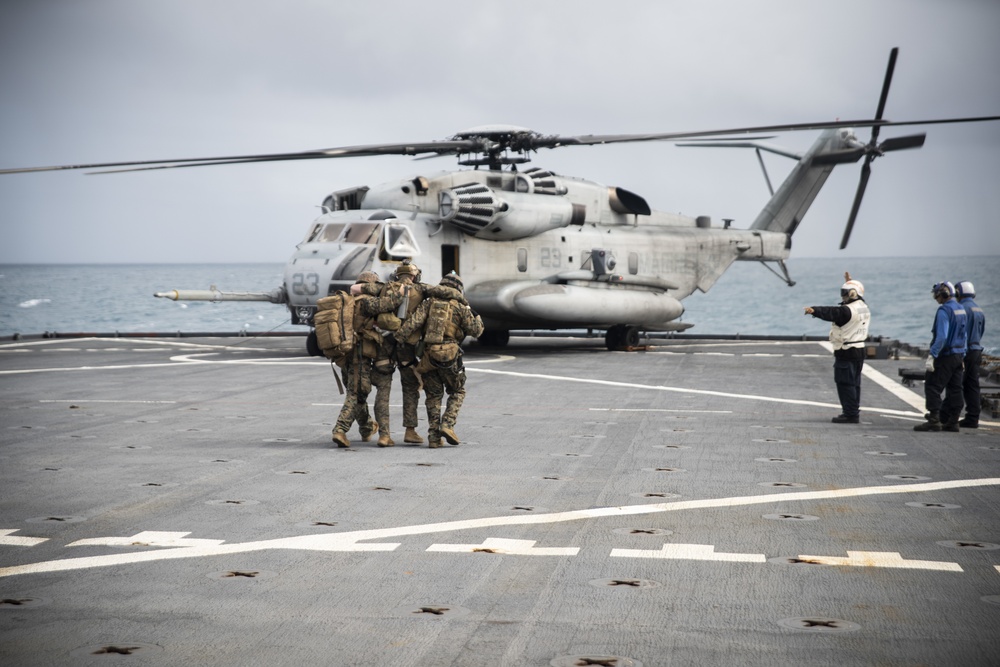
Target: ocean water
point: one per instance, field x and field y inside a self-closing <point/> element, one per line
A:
<point x="747" y="300"/>
<point x="105" y="298"/>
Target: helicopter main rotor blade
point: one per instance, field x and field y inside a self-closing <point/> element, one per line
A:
<point x="482" y="144"/>
<point x="439" y="147"/>
<point x="866" y="171"/>
<point x="596" y="139"/>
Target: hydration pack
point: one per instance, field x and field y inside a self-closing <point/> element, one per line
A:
<point x="334" y="322"/>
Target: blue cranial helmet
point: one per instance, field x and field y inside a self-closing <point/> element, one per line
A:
<point x="943" y="289"/>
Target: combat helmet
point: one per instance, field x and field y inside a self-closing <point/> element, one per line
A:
<point x="453" y="280"/>
<point x="408" y="268"/>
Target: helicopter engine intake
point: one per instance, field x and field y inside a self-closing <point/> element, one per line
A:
<point x="479" y="211"/>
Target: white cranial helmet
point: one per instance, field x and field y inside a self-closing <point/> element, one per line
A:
<point x="852" y="290"/>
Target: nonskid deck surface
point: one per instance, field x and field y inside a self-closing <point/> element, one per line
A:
<point x="180" y="502"/>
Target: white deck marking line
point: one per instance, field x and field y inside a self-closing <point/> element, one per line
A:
<point x="130" y="341"/>
<point x="682" y="390"/>
<point x="193" y="358"/>
<point x="500" y="545"/>
<point x="274" y="361"/>
<point x="148" y="538"/>
<point x="713" y="412"/>
<point x="688" y="552"/>
<point x="8" y="538"/>
<point x="897" y="389"/>
<point x="95" y="400"/>
<point x="884" y="559"/>
<point x="90" y="368"/>
<point x="740" y="343"/>
<point x="348" y="541"/>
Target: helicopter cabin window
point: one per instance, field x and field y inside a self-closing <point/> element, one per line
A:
<point x="633" y="263"/>
<point x="362" y="232"/>
<point x="522" y="259"/>
<point x="397" y="243"/>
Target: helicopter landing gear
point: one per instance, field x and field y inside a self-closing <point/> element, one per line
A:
<point x="495" y="338"/>
<point x="312" y="345"/>
<point x="621" y="337"/>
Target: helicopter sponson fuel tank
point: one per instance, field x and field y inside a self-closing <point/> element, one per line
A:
<point x="571" y="306"/>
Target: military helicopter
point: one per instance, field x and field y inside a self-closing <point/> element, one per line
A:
<point x="541" y="250"/>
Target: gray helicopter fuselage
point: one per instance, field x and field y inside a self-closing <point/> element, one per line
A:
<point x="525" y="246"/>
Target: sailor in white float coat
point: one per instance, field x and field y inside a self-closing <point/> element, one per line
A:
<point x="848" y="333"/>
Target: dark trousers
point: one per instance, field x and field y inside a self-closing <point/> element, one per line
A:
<point x="847" y="375"/>
<point x="970" y="384"/>
<point x="946" y="376"/>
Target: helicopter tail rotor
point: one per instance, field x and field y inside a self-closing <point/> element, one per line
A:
<point x="873" y="149"/>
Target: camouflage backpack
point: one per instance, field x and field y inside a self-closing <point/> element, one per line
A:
<point x="334" y="322"/>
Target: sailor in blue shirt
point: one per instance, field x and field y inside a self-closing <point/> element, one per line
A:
<point x="965" y="292"/>
<point x="944" y="362"/>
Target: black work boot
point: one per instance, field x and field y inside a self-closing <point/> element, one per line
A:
<point x="951" y="426"/>
<point x="844" y="419"/>
<point x="932" y="423"/>
<point x="969" y="422"/>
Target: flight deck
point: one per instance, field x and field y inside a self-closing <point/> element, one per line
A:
<point x="179" y="501"/>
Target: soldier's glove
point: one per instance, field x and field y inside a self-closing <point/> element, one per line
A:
<point x="929" y="364"/>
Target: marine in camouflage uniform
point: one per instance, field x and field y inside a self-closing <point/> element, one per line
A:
<point x="443" y="373"/>
<point x="395" y="301"/>
<point x="357" y="374"/>
<point x="408" y="280"/>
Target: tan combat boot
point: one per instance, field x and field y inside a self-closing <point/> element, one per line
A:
<point x="366" y="434"/>
<point x="341" y="439"/>
<point x="385" y="441"/>
<point x="412" y="436"/>
<point x="449" y="435"/>
<point x="434" y="444"/>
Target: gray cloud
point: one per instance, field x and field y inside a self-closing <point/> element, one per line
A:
<point x="116" y="80"/>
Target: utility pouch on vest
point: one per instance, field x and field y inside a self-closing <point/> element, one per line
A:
<point x="425" y="364"/>
<point x="443" y="353"/>
<point x="388" y="322"/>
<point x="371" y="341"/>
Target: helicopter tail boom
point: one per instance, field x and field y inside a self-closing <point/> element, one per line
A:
<point x="786" y="208"/>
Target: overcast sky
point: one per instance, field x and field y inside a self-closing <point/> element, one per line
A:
<point x="109" y="80"/>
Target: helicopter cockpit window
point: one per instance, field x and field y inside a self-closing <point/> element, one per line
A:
<point x="329" y="233"/>
<point x="314" y="231"/>
<point x="362" y="232"/>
